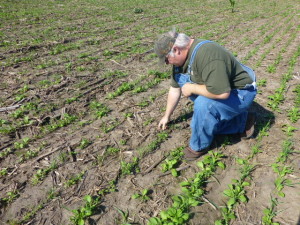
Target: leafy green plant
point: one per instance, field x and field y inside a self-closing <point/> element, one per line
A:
<point x="294" y="114"/>
<point x="5" y="152"/>
<point x="84" y="212"/>
<point x="289" y="130"/>
<point x="125" y="216"/>
<point x="42" y="173"/>
<point x="3" y="172"/>
<point x="130" y="167"/>
<point x="270" y="213"/>
<point x="10" y="197"/>
<point x="23" y="143"/>
<point x="173" y="160"/>
<point x="29" y="154"/>
<point x="99" y="109"/>
<point x="160" y="137"/>
<point x="111" y="187"/>
<point x="143" y="195"/>
<point x="109" y="126"/>
<point x="75" y="179"/>
<point x="84" y="143"/>
<point x="287" y="149"/>
<point x="227" y="214"/>
<point x="64" y="121"/>
<point x="281" y="181"/>
<point x="236" y="192"/>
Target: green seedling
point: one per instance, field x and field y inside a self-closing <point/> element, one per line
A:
<point x="211" y="162"/>
<point x="143" y="195"/>
<point x="294" y="114"/>
<point x="264" y="131"/>
<point x="66" y="120"/>
<point x="255" y="150"/>
<point x="120" y="90"/>
<point x="143" y="103"/>
<point x="270" y="213"/>
<point x="84" y="143"/>
<point x="110" y="189"/>
<point x="2" y="122"/>
<point x="42" y="173"/>
<point x="236" y="192"/>
<point x="246" y="169"/>
<point x="107" y="127"/>
<point x="26" y="121"/>
<point x="289" y="130"/>
<point x="29" y="154"/>
<point x="18" y="113"/>
<point x="128" y="115"/>
<point x="280" y="182"/>
<point x="7" y="129"/>
<point x="84" y="122"/>
<point x="174" y="216"/>
<point x="84" y="212"/>
<point x="122" y="142"/>
<point x="172" y="161"/>
<point x="271" y="69"/>
<point x="74" y="180"/>
<point x="125" y="216"/>
<point x="10" y="197"/>
<point x="282" y="170"/>
<point x="5" y="152"/>
<point x="297" y="97"/>
<point x="227" y="214"/>
<point x="70" y="100"/>
<point x="287" y="149"/>
<point x="262" y="83"/>
<point x="160" y="137"/>
<point x="130" y="167"/>
<point x="3" y="172"/>
<point x="148" y="121"/>
<point x="184" y="202"/>
<point x="99" y="109"/>
<point x="22" y="144"/>
<point x="111" y="150"/>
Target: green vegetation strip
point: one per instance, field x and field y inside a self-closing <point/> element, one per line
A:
<point x="236" y="191"/>
<point x="192" y="191"/>
<point x="276" y="99"/>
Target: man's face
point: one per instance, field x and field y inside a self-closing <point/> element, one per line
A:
<point x="176" y="57"/>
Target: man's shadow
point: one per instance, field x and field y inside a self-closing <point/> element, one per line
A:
<point x="264" y="120"/>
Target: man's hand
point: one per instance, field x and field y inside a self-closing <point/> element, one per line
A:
<point x="187" y="89"/>
<point x="163" y="123"/>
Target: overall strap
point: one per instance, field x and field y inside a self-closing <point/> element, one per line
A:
<point x="189" y="70"/>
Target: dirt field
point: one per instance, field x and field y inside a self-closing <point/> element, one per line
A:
<point x="82" y="95"/>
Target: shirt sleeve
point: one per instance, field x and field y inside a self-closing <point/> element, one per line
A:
<point x="173" y="83"/>
<point x="216" y="77"/>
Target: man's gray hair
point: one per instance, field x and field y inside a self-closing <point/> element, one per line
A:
<point x="182" y="41"/>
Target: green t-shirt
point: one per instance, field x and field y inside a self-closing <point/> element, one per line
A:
<point x="214" y="67"/>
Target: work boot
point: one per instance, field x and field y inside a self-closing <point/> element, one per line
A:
<point x="249" y="129"/>
<point x="190" y="154"/>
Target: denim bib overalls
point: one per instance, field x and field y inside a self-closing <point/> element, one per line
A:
<point x="217" y="116"/>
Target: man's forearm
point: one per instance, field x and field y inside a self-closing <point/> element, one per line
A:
<point x="173" y="99"/>
<point x="198" y="89"/>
